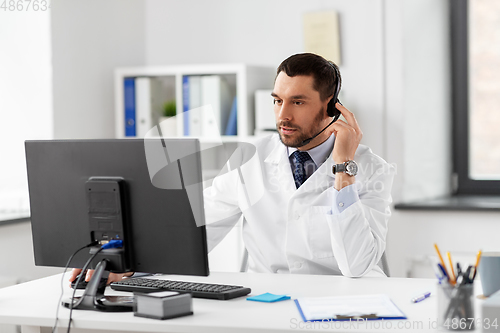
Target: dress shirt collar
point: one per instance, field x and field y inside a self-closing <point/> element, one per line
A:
<point x="320" y="153"/>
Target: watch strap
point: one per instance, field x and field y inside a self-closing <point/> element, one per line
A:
<point x="338" y="168"/>
<point x="349" y="167"/>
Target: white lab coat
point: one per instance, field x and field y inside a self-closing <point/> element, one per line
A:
<point x="289" y="230"/>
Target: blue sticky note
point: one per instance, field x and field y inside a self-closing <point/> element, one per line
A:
<point x="269" y="298"/>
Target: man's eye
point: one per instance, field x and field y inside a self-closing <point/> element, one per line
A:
<point x="298" y="102"/>
<point x="277" y="101"/>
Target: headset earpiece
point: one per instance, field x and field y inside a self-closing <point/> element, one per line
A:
<point x="331" y="110"/>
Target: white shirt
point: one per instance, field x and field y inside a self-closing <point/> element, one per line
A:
<point x="308" y="230"/>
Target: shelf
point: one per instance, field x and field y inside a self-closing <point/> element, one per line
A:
<point x="223" y="138"/>
<point x="8" y="218"/>
<point x="454" y="203"/>
<point x="243" y="81"/>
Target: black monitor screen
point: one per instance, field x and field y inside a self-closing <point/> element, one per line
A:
<point x="162" y="205"/>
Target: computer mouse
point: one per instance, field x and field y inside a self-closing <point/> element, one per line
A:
<point x="83" y="284"/>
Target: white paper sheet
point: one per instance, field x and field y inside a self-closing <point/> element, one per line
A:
<point x="320" y="308"/>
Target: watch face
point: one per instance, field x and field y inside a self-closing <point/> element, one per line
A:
<point x="351" y="168"/>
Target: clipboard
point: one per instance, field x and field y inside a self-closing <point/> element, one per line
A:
<point x="338" y="308"/>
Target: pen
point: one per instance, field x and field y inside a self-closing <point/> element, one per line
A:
<point x="442" y="261"/>
<point x="468" y="275"/>
<point x="453" y="277"/>
<point x="439" y="273"/>
<point x="478" y="258"/>
<point x="421" y="297"/>
<point x="443" y="270"/>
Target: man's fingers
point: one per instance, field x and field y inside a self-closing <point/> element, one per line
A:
<point x="74" y="274"/>
<point x="111" y="278"/>
<point x="341" y="122"/>
<point x="118" y="277"/>
<point x="90" y="272"/>
<point x="342" y="125"/>
<point x="349" y="116"/>
<point x="114" y="278"/>
<point x="337" y="126"/>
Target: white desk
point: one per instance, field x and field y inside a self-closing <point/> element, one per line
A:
<point x="33" y="306"/>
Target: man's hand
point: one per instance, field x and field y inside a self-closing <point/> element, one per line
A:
<point x="111" y="278"/>
<point x="347" y="138"/>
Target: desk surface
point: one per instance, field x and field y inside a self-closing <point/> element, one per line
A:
<point x="33" y="305"/>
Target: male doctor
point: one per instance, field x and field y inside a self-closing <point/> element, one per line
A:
<point x="312" y="199"/>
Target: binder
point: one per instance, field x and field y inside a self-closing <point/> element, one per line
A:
<point x="148" y="104"/>
<point x="185" y="103"/>
<point x="232" y="122"/>
<point x="215" y="92"/>
<point x="129" y="103"/>
<point x="359" y="307"/>
<point x="143" y="106"/>
<point x="195" y="121"/>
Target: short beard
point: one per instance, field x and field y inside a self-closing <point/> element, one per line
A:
<point x="297" y="141"/>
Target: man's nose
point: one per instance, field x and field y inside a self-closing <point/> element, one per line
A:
<point x="284" y="112"/>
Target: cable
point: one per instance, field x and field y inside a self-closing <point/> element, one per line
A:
<point x="62" y="280"/>
<point x="111" y="244"/>
<point x="77" y="283"/>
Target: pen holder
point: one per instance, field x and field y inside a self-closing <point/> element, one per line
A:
<point x="456" y="307"/>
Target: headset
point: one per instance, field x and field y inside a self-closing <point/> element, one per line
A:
<point x="331" y="109"/>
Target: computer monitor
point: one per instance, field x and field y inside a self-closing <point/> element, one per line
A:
<point x="97" y="190"/>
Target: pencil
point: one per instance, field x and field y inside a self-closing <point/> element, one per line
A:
<point x="478" y="258"/>
<point x="441" y="259"/>
<point x="452" y="269"/>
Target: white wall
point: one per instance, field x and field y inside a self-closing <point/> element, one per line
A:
<point x="89" y="39"/>
<point x="17" y="262"/>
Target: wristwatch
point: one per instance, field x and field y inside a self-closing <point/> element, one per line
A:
<point x="349" y="167"/>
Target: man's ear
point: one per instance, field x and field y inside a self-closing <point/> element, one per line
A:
<point x="329" y="107"/>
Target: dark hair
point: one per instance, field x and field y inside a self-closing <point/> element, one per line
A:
<point x="323" y="71"/>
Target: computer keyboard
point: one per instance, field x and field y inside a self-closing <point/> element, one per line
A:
<point x="199" y="290"/>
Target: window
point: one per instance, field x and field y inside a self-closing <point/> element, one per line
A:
<point x="25" y="103"/>
<point x="475" y="32"/>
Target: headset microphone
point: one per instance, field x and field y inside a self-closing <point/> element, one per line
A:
<point x="306" y="141"/>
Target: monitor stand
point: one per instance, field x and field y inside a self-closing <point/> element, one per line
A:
<point x="93" y="297"/>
